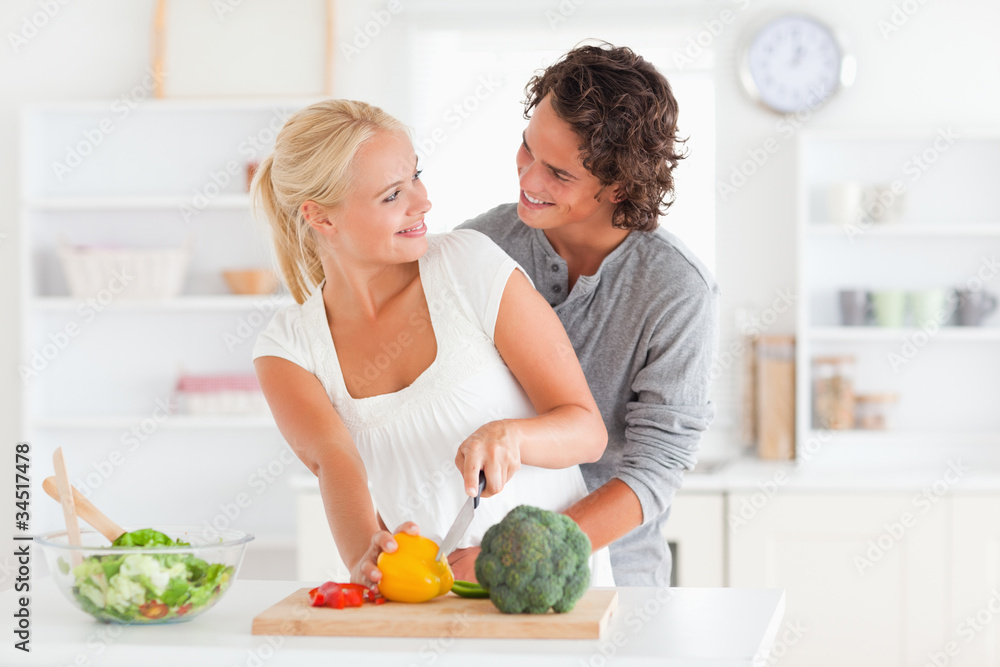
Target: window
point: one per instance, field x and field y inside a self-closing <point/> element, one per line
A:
<point x="466" y="109"/>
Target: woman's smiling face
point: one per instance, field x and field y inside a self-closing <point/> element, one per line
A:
<point x="556" y="189"/>
<point x="382" y="219"/>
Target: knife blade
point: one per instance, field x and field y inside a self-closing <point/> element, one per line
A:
<point x="462" y="521"/>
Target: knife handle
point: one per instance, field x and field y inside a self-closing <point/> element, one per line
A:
<point x="482" y="487"/>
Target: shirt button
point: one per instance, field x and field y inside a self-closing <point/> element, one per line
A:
<point x="557" y="288"/>
<point x="555" y="267"/>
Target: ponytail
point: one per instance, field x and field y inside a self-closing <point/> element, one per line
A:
<point x="294" y="242"/>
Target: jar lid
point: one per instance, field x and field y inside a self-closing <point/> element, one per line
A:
<point x="876" y="398"/>
<point x="778" y="339"/>
<point x="833" y="360"/>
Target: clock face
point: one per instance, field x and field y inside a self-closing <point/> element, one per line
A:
<point x="793" y="63"/>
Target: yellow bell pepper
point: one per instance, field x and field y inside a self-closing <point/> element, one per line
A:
<point x="411" y="573"/>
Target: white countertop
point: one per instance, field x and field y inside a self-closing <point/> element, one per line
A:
<point x="721" y="627"/>
<point x="750" y="474"/>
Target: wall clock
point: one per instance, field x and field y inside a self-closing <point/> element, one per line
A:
<point x="794" y="63"/>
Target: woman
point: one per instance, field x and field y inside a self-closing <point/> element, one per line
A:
<point x="409" y="363"/>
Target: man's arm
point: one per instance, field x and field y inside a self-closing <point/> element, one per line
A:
<point x="663" y="426"/>
<point x="608" y="514"/>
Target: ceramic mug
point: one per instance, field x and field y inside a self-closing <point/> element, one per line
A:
<point x="889" y="308"/>
<point x="930" y="305"/>
<point x="855" y="307"/>
<point x="880" y="204"/>
<point x="974" y="306"/>
<point x="845" y="203"/>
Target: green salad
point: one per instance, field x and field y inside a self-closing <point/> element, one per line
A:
<point x="146" y="588"/>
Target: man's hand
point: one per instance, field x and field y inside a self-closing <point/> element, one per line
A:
<point x="463" y="563"/>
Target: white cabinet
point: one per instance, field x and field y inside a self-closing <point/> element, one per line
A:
<point x="974" y="625"/>
<point x="948" y="236"/>
<point x="98" y="374"/>
<point x="696" y="534"/>
<point x="317" y="558"/>
<point x="865" y="575"/>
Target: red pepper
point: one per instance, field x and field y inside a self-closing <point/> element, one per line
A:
<point x="353" y="598"/>
<point x="335" y="598"/>
<point x="339" y="596"/>
<point x="324" y="594"/>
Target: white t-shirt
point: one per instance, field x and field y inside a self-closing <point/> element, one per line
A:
<point x="408" y="439"/>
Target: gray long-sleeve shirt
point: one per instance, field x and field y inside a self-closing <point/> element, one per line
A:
<point x="645" y="329"/>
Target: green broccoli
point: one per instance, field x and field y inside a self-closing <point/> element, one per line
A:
<point x="533" y="560"/>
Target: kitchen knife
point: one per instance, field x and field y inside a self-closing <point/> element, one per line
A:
<point x="462" y="521"/>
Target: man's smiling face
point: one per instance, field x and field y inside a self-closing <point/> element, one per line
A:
<point x="556" y="189"/>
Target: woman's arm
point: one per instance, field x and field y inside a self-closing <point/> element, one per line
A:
<point x="569" y="428"/>
<point x="317" y="435"/>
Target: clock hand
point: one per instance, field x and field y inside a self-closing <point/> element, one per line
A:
<point x="798" y="55"/>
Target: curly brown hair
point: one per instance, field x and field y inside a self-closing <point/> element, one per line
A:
<point x="625" y="114"/>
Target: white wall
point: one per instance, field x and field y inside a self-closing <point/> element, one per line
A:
<point x="941" y="67"/>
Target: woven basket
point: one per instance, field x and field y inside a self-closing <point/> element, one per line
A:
<point x="128" y="273"/>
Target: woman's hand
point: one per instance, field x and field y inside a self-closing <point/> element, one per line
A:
<point x="495" y="448"/>
<point x="463" y="563"/>
<point x="366" y="571"/>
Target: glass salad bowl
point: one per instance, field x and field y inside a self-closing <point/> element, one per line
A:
<point x="146" y="585"/>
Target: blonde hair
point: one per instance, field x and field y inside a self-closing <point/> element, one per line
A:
<point x="312" y="160"/>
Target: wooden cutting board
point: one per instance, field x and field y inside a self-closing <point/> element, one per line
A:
<point x="446" y="616"/>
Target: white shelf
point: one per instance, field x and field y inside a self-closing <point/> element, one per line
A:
<point x="135" y="191"/>
<point x="885" y="334"/>
<point x="947" y="400"/>
<point x="59" y="304"/>
<point x="904" y="230"/>
<point x="173" y="422"/>
<point x="234" y="202"/>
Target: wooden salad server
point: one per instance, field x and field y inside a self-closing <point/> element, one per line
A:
<point x="85" y="510"/>
<point x="69" y="509"/>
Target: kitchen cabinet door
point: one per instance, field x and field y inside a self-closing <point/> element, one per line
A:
<point x="975" y="590"/>
<point x="696" y="530"/>
<point x="864" y="574"/>
<point x="317" y="555"/>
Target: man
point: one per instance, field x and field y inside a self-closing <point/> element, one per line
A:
<point x="596" y="171"/>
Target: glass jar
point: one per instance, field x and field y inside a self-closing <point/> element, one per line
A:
<point x="873" y="411"/>
<point x="776" y="397"/>
<point x="833" y="392"/>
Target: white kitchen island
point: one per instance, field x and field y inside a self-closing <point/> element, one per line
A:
<point x="721" y="627"/>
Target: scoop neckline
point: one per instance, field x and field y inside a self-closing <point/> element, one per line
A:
<point x="328" y="338"/>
